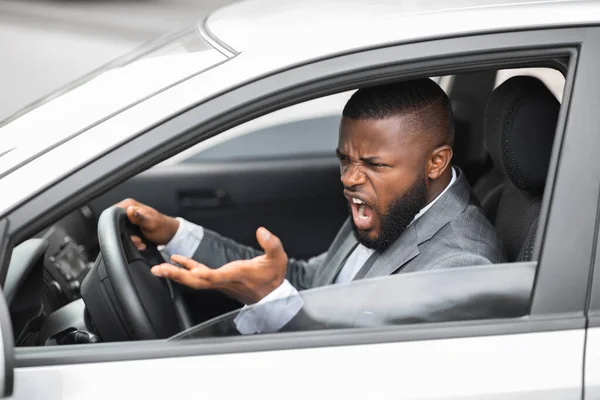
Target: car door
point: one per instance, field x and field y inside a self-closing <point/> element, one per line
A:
<point x="539" y="354"/>
<point x="592" y="348"/>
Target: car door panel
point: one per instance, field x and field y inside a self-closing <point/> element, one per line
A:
<point x="519" y="366"/>
<point x="300" y="200"/>
<point x="592" y="364"/>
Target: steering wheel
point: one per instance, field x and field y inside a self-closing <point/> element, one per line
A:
<point x="152" y="307"/>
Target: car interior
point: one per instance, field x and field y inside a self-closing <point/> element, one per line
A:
<point x="61" y="284"/>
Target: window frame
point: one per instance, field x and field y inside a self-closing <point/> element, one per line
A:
<point x="452" y="55"/>
<point x="592" y="311"/>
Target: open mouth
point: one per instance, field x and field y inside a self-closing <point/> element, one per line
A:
<point x="362" y="214"/>
<point x="361" y="208"/>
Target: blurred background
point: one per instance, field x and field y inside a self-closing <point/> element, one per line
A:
<point x="45" y="44"/>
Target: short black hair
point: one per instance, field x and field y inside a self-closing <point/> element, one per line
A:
<point x="422" y="100"/>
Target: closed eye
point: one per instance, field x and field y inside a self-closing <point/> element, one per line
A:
<point x="342" y="157"/>
<point x="377" y="165"/>
<point x="373" y="162"/>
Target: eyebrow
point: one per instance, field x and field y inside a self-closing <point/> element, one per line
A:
<point x="372" y="159"/>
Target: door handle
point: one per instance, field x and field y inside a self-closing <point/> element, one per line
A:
<point x="204" y="199"/>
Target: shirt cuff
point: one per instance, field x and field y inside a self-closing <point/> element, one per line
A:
<point x="272" y="312"/>
<point x="186" y="240"/>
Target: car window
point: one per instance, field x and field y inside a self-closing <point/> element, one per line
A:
<point x="480" y="289"/>
<point x="305" y="129"/>
<point x="308" y="129"/>
<point x="553" y="79"/>
<point x="479" y="267"/>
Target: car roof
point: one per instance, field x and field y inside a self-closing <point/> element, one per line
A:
<point x="287" y="24"/>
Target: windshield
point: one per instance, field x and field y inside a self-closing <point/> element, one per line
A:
<point x="103" y="93"/>
<point x="456" y="294"/>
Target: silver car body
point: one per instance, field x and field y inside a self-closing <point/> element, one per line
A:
<point x="254" y="39"/>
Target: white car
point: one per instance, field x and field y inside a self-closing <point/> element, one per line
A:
<point x="232" y="123"/>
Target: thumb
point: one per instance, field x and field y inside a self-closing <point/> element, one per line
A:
<point x="135" y="216"/>
<point x="270" y="243"/>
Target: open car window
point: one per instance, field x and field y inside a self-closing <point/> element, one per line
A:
<point x="308" y="129"/>
<point x="553" y="79"/>
<point x="461" y="294"/>
<point x="232" y="198"/>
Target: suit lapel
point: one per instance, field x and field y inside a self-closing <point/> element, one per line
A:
<point x="336" y="262"/>
<point x="406" y="247"/>
<point x="444" y="210"/>
<point x="399" y="253"/>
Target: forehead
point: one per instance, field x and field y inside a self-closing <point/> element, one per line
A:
<point x="387" y="135"/>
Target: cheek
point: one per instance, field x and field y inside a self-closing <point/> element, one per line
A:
<point x="390" y="187"/>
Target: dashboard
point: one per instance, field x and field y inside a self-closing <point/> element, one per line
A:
<point x="46" y="272"/>
<point x="72" y="249"/>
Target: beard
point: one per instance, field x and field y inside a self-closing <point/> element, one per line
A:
<point x="394" y="222"/>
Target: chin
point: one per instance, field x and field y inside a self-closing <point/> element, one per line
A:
<point x="366" y="238"/>
<point x="371" y="234"/>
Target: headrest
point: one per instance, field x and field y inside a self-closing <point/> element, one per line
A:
<point x="519" y="126"/>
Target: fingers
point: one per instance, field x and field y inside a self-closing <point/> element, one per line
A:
<point x="188" y="263"/>
<point x="198" y="270"/>
<point x="196" y="277"/>
<point x="127" y="203"/>
<point x="134" y="209"/>
<point x="270" y="243"/>
<point x="178" y="275"/>
<point x="137" y="241"/>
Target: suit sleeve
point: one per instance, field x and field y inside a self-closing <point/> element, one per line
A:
<point x="461" y="260"/>
<point x="215" y="251"/>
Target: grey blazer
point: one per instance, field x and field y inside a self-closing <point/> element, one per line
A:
<point x="454" y="232"/>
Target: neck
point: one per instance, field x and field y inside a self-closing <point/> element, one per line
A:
<point x="438" y="185"/>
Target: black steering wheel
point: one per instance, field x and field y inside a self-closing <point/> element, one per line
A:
<point x="151" y="307"/>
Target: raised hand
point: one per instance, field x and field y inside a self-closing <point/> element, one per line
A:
<point x="246" y="281"/>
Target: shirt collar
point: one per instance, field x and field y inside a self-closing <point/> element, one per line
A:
<point x="428" y="206"/>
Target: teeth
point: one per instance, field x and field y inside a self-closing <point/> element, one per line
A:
<point x="357" y="201"/>
<point x="361" y="212"/>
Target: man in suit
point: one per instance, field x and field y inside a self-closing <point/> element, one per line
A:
<point x="410" y="210"/>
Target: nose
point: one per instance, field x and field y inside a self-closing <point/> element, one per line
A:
<point x="352" y="176"/>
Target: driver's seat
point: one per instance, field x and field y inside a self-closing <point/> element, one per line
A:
<point x="520" y="123"/>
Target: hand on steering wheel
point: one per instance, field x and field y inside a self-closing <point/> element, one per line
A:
<point x="154" y="226"/>
<point x="149" y="306"/>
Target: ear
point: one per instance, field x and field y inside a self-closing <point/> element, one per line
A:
<point x="439" y="161"/>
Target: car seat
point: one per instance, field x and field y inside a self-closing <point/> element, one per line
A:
<point x="519" y="127"/>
